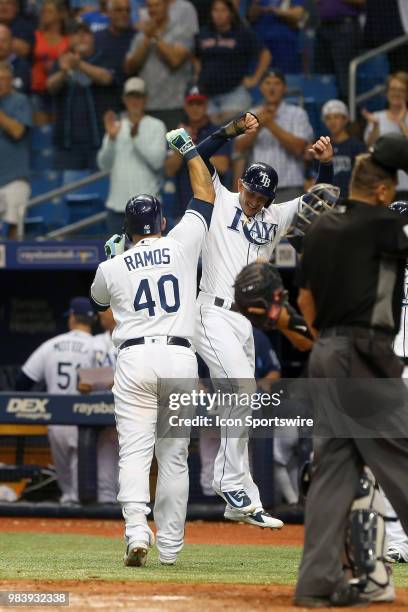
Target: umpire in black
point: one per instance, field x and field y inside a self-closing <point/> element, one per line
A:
<point x="352" y="274"/>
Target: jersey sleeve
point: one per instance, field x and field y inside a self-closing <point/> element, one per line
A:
<point x="287" y="212"/>
<point x="193" y="227"/>
<point x="34" y="367"/>
<point x="99" y="294"/>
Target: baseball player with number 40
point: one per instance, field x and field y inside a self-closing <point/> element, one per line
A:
<point x="245" y="226"/>
<point x="151" y="289"/>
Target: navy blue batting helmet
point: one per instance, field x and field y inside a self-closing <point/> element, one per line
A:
<point x="143" y="216"/>
<point x="261" y="178"/>
<point x="401" y="207"/>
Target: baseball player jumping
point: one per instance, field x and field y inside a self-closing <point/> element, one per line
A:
<point x="245" y="225"/>
<point x="151" y="289"/>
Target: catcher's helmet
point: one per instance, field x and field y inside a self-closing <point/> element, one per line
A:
<point x="400" y="206"/>
<point x="143" y="216"/>
<point x="261" y="178"/>
<point x="320" y="198"/>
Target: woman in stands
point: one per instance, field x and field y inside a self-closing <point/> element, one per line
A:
<point x="229" y="61"/>
<point x="51" y="41"/>
<point x="393" y="119"/>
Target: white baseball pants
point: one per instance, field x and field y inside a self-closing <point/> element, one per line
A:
<point x="224" y="340"/>
<point x="141" y="378"/>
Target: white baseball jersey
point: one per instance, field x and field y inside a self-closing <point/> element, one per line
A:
<point x="234" y="241"/>
<point x="151" y="288"/>
<point x="104" y="351"/>
<point x="57" y="360"/>
<point x="401" y="339"/>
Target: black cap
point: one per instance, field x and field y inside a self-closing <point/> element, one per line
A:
<point x="278" y="74"/>
<point x="391" y="152"/>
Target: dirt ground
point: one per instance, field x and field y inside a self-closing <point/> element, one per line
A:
<point x="171" y="597"/>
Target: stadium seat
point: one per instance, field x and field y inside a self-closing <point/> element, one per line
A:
<point x="81" y="206"/>
<point x="43" y="181"/>
<point x="371" y="73"/>
<point x="318" y="87"/>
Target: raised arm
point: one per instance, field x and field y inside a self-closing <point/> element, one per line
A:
<point x="322" y="151"/>
<point x="245" y="124"/>
<point x="200" y="177"/>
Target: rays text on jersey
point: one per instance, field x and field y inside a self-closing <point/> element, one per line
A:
<point x="256" y="232"/>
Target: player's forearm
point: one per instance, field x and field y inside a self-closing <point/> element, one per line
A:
<point x="325" y="173"/>
<point x="200" y="180"/>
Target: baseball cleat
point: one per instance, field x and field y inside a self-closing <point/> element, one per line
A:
<point x="168" y="560"/>
<point x="259" y="519"/>
<point x="394" y="556"/>
<point x="238" y="500"/>
<point x="136" y="551"/>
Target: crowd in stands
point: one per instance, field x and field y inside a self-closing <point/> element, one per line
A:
<point x="112" y="77"/>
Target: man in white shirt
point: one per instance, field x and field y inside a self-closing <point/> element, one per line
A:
<point x="56" y="363"/>
<point x="133" y="149"/>
<point x="281" y="141"/>
<point x="151" y="289"/>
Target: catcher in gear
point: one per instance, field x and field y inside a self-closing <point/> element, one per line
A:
<point x="261" y="297"/>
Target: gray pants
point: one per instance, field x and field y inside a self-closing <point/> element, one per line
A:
<point x="338" y="463"/>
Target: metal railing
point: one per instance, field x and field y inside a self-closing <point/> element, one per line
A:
<point x="56" y="193"/>
<point x="355" y="99"/>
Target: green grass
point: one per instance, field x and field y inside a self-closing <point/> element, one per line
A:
<point x="27" y="556"/>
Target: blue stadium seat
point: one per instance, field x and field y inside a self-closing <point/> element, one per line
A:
<point x="377" y="67"/>
<point x="317" y="87"/>
<point x="43" y="181"/>
<point x="372" y="73"/>
<point x="48" y="216"/>
<point x="81" y="206"/>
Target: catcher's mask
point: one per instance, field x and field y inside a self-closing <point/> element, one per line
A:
<point x="319" y="199"/>
<point x="259" y="294"/>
